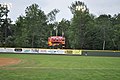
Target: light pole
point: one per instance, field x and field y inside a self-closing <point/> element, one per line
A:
<point x="80" y="8"/>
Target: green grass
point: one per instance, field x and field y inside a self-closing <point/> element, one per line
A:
<point x="56" y="67"/>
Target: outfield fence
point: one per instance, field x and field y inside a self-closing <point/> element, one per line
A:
<point x="100" y="53"/>
<point x="39" y="51"/>
<point x="61" y="51"/>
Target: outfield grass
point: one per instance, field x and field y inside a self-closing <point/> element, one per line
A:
<point x="56" y="67"/>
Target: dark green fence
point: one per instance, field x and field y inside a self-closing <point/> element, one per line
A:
<point x="100" y="53"/>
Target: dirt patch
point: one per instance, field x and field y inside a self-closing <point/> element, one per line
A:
<point x="8" y="61"/>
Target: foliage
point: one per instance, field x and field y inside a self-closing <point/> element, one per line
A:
<point x="63" y="30"/>
<point x="78" y="6"/>
<point x="89" y="32"/>
<point x="53" y="25"/>
<point x="5" y="26"/>
<point x="83" y="31"/>
<point x="32" y="28"/>
<point x="78" y="27"/>
<point x="52" y="15"/>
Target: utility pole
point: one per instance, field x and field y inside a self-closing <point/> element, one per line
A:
<point x="104" y="38"/>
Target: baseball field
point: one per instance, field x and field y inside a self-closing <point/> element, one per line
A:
<point x="58" y="67"/>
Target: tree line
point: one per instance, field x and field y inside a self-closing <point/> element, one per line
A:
<point x="83" y="31"/>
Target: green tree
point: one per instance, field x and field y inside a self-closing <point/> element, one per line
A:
<point x="116" y="32"/>
<point x="78" y="27"/>
<point x="63" y="30"/>
<point x="20" y="32"/>
<point x="33" y="28"/>
<point x="53" y="25"/>
<point x="105" y="27"/>
<point x="52" y="15"/>
<point x="5" y="22"/>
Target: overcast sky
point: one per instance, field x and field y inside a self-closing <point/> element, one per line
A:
<point x="96" y="7"/>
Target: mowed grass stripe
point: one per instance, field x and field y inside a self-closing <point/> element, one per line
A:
<point x="59" y="68"/>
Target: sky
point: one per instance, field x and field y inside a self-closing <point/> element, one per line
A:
<point x="96" y="7"/>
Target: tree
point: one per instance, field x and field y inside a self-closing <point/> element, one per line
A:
<point x="52" y="15"/>
<point x="33" y="28"/>
<point x="63" y="30"/>
<point x="78" y="24"/>
<point x="52" y="22"/>
<point x="5" y="23"/>
<point x="104" y="24"/>
<point x="78" y="6"/>
<point x="116" y="31"/>
<point x="20" y="32"/>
